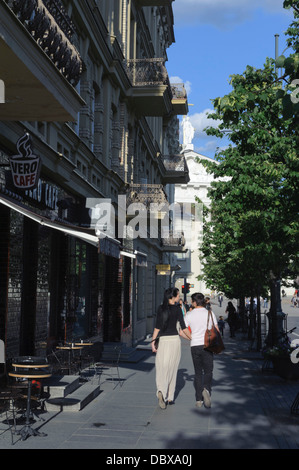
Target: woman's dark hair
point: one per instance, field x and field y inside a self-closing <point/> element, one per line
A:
<point x="199" y="299"/>
<point x="168" y="294"/>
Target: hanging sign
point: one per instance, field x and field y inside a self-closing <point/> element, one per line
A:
<point x="25" y="167"/>
<point x="163" y="269"/>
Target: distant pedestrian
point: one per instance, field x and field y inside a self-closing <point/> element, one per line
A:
<point x="208" y="303"/>
<point x="232" y="318"/>
<point x="221" y="325"/>
<point x="202" y="359"/>
<point x="169" y="349"/>
<point x="220" y="299"/>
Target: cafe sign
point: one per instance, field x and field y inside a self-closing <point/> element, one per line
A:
<point x="25" y="167"/>
<point x="163" y="269"/>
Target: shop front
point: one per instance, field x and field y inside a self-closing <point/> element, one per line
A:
<point x="58" y="281"/>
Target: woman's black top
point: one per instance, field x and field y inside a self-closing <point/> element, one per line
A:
<point x="175" y="315"/>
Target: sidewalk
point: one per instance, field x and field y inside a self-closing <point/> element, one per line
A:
<point x="250" y="410"/>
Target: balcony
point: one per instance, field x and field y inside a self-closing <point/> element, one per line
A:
<point x="40" y="65"/>
<point x="146" y="194"/>
<point x="179" y="99"/>
<point x="150" y="94"/>
<point x="176" y="169"/>
<point x="174" y="242"/>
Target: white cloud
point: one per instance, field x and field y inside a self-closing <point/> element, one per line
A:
<point x="200" y="121"/>
<point x="208" y="149"/>
<point x="187" y="84"/>
<point x="221" y="13"/>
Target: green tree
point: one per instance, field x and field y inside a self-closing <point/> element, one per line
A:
<point x="251" y="236"/>
<point x="290" y="93"/>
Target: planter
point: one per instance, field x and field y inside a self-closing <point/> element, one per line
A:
<point x="285" y="368"/>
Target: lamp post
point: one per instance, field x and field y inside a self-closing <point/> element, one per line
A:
<point x="275" y="314"/>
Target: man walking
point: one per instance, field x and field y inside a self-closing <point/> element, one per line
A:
<point x="197" y="319"/>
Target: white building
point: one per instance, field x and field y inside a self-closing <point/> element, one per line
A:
<point x="198" y="186"/>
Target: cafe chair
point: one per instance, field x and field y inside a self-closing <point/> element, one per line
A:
<point x="59" y="366"/>
<point x="8" y="412"/>
<point x="109" y="368"/>
<point x="38" y="399"/>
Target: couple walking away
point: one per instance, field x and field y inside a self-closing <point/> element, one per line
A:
<point x="168" y="354"/>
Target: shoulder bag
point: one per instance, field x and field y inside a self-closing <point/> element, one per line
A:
<point x="213" y="341"/>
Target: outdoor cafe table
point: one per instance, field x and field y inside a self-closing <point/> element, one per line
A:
<point x="70" y="348"/>
<point x="83" y="344"/>
<point x="27" y="367"/>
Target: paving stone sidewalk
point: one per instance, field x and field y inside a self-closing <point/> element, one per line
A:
<point x="250" y="410"/>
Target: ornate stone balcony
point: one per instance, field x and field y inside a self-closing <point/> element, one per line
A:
<point x="146" y="194"/>
<point x="179" y="99"/>
<point x="175" y="242"/>
<point x="146" y="71"/>
<point x="151" y="91"/>
<point x="52" y="29"/>
<point x="176" y="169"/>
<point x="39" y="63"/>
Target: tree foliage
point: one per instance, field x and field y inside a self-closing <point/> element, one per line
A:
<point x="253" y="231"/>
<point x="290" y="93"/>
<point x="251" y="227"/>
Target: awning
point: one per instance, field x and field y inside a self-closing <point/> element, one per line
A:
<point x="141" y="259"/>
<point x="109" y="246"/>
<point x="68" y="230"/>
<point x="126" y="253"/>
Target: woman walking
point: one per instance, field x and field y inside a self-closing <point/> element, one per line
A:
<point x="232" y="318"/>
<point x="202" y="359"/>
<point x="169" y="350"/>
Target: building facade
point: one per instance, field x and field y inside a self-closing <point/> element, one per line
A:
<point x="198" y="186"/>
<point x="88" y="127"/>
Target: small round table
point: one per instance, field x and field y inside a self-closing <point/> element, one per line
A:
<point x="70" y="348"/>
<point x="83" y="344"/>
<point x="28" y="367"/>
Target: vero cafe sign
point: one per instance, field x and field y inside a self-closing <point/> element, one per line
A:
<point x="25" y="167"/>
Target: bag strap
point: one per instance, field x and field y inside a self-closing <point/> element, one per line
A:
<point x="210" y="315"/>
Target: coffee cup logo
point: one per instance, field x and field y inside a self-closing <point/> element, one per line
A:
<point x="25" y="167"/>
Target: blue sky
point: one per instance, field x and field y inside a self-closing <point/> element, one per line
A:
<point x="215" y="39"/>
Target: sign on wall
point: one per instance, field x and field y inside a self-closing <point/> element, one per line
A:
<point x="163" y="269"/>
<point x="25" y="167"/>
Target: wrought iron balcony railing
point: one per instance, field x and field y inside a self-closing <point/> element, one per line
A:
<point x="144" y="72"/>
<point x="176" y="169"/>
<point x="52" y="29"/>
<point x="175" y="239"/>
<point x="175" y="163"/>
<point x="146" y="194"/>
<point x="178" y="91"/>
